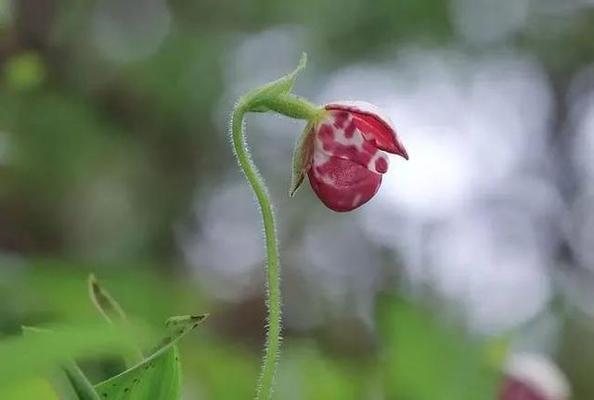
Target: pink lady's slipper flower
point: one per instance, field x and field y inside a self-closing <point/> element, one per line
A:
<point x="533" y="377"/>
<point x="344" y="155"/>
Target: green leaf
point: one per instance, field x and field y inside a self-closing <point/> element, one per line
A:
<point x="30" y="355"/>
<point x="158" y="377"/>
<point x="25" y="71"/>
<point x="104" y="302"/>
<point x="112" y="312"/>
<point x="257" y="98"/>
<point x="426" y="360"/>
<point x="30" y="389"/>
<point x="81" y="385"/>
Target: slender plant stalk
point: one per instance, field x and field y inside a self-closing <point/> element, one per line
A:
<point x="273" y="298"/>
<point x="272" y="97"/>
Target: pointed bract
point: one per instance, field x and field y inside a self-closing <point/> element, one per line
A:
<point x="302" y="156"/>
<point x="280" y="87"/>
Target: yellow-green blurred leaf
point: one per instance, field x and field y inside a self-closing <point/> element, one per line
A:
<point x="25" y="71"/>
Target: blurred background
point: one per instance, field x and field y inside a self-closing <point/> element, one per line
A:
<point x="115" y="159"/>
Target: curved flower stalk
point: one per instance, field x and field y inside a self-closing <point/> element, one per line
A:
<point x="342" y="152"/>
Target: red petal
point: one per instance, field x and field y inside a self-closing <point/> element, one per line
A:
<point x="374" y="127"/>
<point x="343" y="185"/>
<point x="338" y="137"/>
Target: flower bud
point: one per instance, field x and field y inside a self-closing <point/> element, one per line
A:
<point x="533" y="377"/>
<point x="343" y="152"/>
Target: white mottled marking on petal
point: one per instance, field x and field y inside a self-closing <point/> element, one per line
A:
<point x="356" y="200"/>
<point x="340" y="135"/>
<point x="371" y="165"/>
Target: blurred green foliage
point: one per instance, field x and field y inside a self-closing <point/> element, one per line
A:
<point x="24" y="72"/>
<point x="419" y="350"/>
<point x="36" y="353"/>
<point x="420" y="357"/>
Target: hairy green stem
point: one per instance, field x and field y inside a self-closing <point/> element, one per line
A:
<point x="272" y="97"/>
<point x="273" y="298"/>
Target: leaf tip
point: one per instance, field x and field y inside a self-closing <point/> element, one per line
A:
<point x="199" y="317"/>
<point x="300" y="67"/>
<point x="302" y="61"/>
